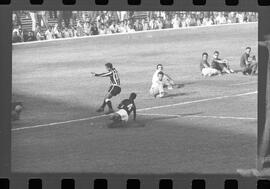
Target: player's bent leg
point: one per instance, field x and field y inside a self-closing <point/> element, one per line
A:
<point x="168" y="83"/>
<point x="154" y="92"/>
<point x="254" y="67"/>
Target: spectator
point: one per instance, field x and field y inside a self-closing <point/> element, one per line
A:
<point x="159" y="23"/>
<point x="107" y="29"/>
<point x="121" y="28"/>
<point x="87" y="28"/>
<point x="21" y="34"/>
<point x="94" y="29"/>
<point x="49" y="34"/>
<point x="127" y="21"/>
<point x="80" y="30"/>
<point x="145" y="25"/>
<point x="57" y="33"/>
<point x="176" y="21"/>
<point x="113" y="27"/>
<point x="16" y="38"/>
<point x="65" y="33"/>
<point x="39" y="36"/>
<point x="102" y="30"/>
<point x="30" y="36"/>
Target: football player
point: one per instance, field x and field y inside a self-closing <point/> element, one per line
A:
<point x="114" y="88"/>
<point x="124" y="110"/>
<point x="157" y="88"/>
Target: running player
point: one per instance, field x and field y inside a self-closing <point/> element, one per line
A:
<point x="114" y="89"/>
<point x="125" y="108"/>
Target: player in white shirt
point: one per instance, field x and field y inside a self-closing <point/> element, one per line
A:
<point x="168" y="81"/>
<point x="157" y="88"/>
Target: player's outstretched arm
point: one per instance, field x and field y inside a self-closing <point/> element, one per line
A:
<point x="107" y="74"/>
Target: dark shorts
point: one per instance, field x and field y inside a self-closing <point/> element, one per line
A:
<point x="114" y="90"/>
<point x="219" y="66"/>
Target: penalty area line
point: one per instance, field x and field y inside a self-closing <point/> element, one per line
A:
<point x="139" y="110"/>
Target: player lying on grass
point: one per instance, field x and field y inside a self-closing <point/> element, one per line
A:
<point x="157" y="88"/>
<point x="125" y="108"/>
<point x="205" y="67"/>
<point x="221" y="65"/>
<point x="248" y="64"/>
<point x="168" y="81"/>
<point x="114" y="88"/>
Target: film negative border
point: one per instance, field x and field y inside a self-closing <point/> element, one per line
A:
<point x="133" y="4"/>
<point x="167" y="183"/>
<point x="138" y="2"/>
<point x="15" y="180"/>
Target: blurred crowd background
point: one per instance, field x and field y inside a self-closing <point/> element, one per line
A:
<point x="49" y="25"/>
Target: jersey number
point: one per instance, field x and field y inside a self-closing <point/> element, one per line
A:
<point x="130" y="107"/>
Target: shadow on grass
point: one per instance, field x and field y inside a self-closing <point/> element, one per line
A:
<point x="40" y="110"/>
<point x="130" y="124"/>
<point x="177" y="94"/>
<point x="179" y="85"/>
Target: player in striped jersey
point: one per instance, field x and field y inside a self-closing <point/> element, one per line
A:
<point x="114" y="89"/>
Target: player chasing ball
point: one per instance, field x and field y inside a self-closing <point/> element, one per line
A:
<point x="114" y="88"/>
<point x="125" y="108"/>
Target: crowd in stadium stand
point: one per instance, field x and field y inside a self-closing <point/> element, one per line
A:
<point x="67" y="24"/>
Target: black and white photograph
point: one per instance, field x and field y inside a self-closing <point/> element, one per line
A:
<point x="134" y="92"/>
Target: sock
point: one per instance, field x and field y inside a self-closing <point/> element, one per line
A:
<point x="103" y="105"/>
<point x="109" y="103"/>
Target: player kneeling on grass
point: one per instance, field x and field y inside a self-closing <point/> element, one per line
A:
<point x="157" y="88"/>
<point x="125" y="108"/>
<point x="168" y="81"/>
<point x="248" y="64"/>
<point x="221" y="65"/>
<point x="205" y="67"/>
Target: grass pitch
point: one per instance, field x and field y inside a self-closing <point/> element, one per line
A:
<point x="208" y="125"/>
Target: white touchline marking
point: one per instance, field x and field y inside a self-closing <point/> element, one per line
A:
<point x="198" y="116"/>
<point x="139" y="110"/>
<point x="196" y="101"/>
<point x="59" y="123"/>
<point x="244" y="83"/>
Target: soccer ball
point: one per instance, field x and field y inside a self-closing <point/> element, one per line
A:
<point x="18" y="108"/>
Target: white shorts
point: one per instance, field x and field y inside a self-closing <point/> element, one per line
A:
<point x="209" y="71"/>
<point x="124" y="115"/>
<point x="156" y="89"/>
